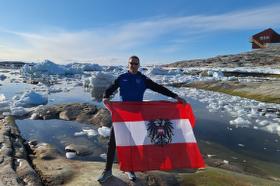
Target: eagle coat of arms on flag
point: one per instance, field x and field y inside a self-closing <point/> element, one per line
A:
<point x="155" y="135"/>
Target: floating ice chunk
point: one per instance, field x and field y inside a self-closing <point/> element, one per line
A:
<point x="77" y="84"/>
<point x="16" y="97"/>
<point x="241" y="112"/>
<point x="90" y="132"/>
<point x="33" y="116"/>
<point x="103" y="156"/>
<point x="18" y="111"/>
<point x="2" y="97"/>
<point x="226" y="162"/>
<point x="82" y="133"/>
<point x="211" y="155"/>
<point x="70" y="155"/>
<point x="6" y="113"/>
<point x="158" y="71"/>
<point x="273" y="128"/>
<point x="31" y="98"/>
<point x="104" y="131"/>
<point x="270" y="115"/>
<point x="218" y="74"/>
<point x="241" y="145"/>
<point x="255" y="127"/>
<point x="240" y="121"/>
<point x="276" y="119"/>
<point x="262" y="122"/>
<point x="54" y="89"/>
<point x="70" y="152"/>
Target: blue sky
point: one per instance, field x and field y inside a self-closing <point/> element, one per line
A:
<point x="108" y="32"/>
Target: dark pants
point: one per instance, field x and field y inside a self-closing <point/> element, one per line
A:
<point x="111" y="150"/>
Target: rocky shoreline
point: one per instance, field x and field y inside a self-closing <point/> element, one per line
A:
<point x="15" y="165"/>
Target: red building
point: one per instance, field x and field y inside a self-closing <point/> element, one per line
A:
<point x="265" y="38"/>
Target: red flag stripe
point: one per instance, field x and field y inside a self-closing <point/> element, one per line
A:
<point x="169" y="157"/>
<point x="135" y="133"/>
<point x="150" y="110"/>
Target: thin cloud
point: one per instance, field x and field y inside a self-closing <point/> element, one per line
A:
<point x="113" y="44"/>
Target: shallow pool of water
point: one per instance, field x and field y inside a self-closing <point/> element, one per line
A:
<point x="61" y="133"/>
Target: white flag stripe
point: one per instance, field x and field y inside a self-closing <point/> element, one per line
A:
<point x="135" y="133"/>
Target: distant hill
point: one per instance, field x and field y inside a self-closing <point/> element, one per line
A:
<point x="12" y="64"/>
<point x="260" y="57"/>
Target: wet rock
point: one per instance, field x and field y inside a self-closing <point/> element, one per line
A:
<point x="79" y="112"/>
<point x="102" y="118"/>
<point x="84" y="118"/>
<point x="83" y="113"/>
<point x="33" y="143"/>
<point x="27" y="173"/>
<point x="45" y="151"/>
<point x="46" y="112"/>
<point x="69" y="115"/>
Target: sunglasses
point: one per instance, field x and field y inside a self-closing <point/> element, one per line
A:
<point x="132" y="63"/>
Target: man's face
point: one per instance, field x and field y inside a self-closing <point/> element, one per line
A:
<point x="133" y="65"/>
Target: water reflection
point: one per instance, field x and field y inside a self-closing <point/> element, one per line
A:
<point x="61" y="133"/>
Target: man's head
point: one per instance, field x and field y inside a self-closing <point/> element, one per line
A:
<point x="133" y="64"/>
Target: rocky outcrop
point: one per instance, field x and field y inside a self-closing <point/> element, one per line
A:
<point x="83" y="113"/>
<point x="15" y="167"/>
<point x="261" y="57"/>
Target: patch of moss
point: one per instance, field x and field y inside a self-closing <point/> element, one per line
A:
<point x="215" y="176"/>
<point x="233" y="90"/>
<point x="274" y="75"/>
<point x="258" y="97"/>
<point x="10" y="119"/>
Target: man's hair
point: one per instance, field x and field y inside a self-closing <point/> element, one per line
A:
<point x="134" y="57"/>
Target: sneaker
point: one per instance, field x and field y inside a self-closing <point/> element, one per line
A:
<point x="106" y="174"/>
<point x="131" y="176"/>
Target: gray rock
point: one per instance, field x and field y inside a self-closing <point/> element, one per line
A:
<point x="45" y="151"/>
<point x="27" y="174"/>
<point x="102" y="118"/>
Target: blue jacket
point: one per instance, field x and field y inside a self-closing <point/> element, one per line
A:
<point x="133" y="86"/>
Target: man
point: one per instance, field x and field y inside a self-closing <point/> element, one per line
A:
<point x="132" y="87"/>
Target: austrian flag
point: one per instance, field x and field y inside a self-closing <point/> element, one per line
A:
<point x="155" y="135"/>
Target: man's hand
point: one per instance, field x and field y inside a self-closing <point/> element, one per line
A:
<point x="106" y="101"/>
<point x="180" y="100"/>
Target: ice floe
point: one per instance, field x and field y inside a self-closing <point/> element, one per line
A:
<point x="31" y="98"/>
<point x="104" y="131"/>
<point x="2" y="97"/>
